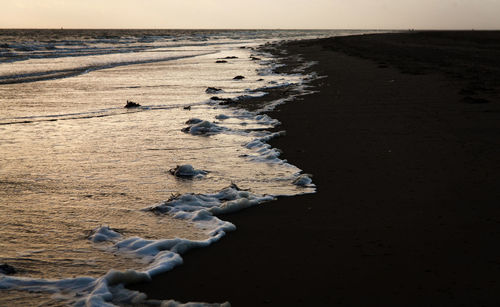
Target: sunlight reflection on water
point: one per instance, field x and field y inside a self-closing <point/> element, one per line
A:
<point x="73" y="159"/>
<point x="68" y="176"/>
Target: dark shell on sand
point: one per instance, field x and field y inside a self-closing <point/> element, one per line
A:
<point x="238" y="78"/>
<point x="221" y="61"/>
<point x="7" y="269"/>
<point x="223" y="101"/>
<point x="213" y="90"/>
<point x="131" y="104"/>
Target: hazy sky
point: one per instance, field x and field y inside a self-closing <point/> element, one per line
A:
<point x="319" y="14"/>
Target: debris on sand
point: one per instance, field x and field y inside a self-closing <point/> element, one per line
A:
<point x="202" y="127"/>
<point x="187" y="171"/>
<point x="7" y="269"/>
<point x="223" y="101"/>
<point x="131" y="104"/>
<point x="213" y="90"/>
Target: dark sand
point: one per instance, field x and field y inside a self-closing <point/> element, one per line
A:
<point x="404" y="145"/>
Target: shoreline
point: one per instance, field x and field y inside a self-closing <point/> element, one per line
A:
<point x="402" y="140"/>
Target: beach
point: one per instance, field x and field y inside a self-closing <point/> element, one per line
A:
<point x="118" y="146"/>
<point x="401" y="137"/>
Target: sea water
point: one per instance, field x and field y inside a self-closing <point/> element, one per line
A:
<point x="89" y="194"/>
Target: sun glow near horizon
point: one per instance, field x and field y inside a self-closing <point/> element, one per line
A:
<point x="257" y="14"/>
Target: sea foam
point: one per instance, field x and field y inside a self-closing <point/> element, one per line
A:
<point x="201" y="209"/>
<point x="202" y="127"/>
<point x="159" y="255"/>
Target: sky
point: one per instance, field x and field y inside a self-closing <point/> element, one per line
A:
<point x="255" y="14"/>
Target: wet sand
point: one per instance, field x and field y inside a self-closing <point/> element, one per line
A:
<point x="403" y="140"/>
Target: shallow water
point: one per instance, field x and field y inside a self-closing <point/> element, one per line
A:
<point x="73" y="159"/>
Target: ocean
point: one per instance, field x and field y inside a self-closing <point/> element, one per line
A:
<point x="95" y="195"/>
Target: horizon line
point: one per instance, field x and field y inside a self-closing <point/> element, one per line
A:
<point x="260" y="29"/>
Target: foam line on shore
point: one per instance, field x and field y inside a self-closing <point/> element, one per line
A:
<point x="159" y="255"/>
<point x="162" y="255"/>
